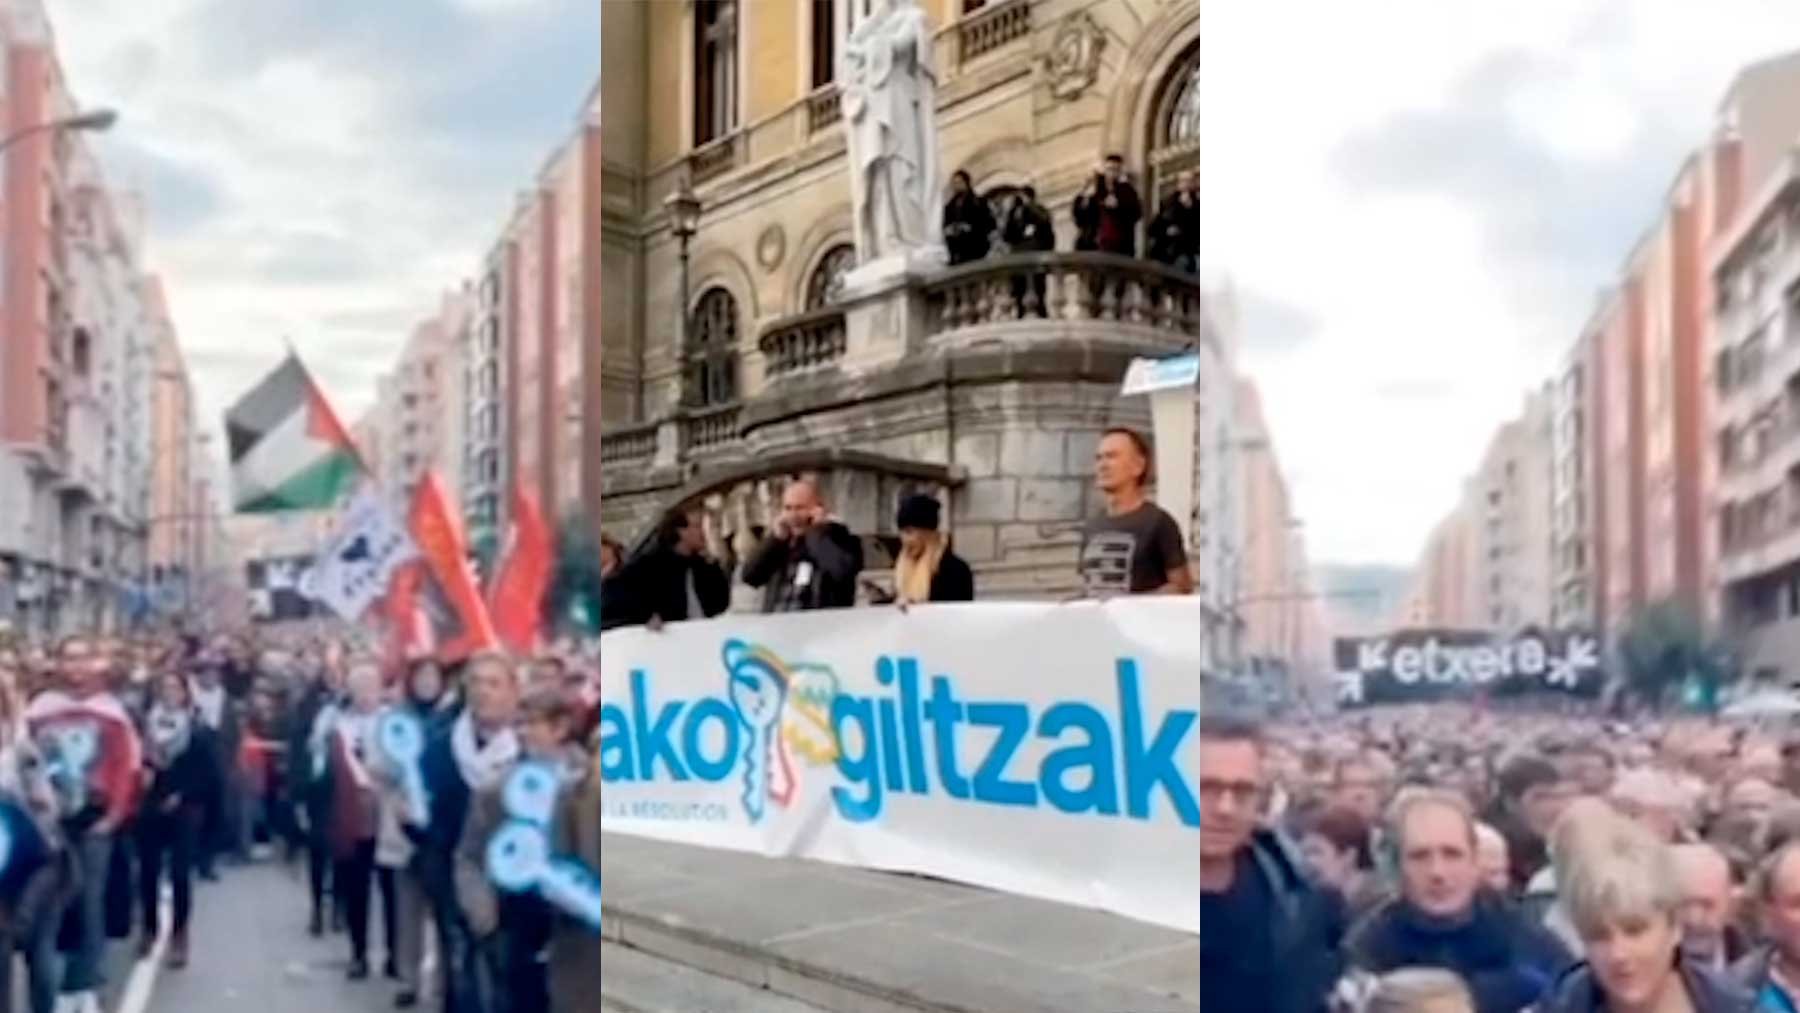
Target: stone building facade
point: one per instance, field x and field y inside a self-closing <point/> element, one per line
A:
<point x="948" y="386"/>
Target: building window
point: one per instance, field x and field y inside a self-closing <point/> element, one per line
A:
<point x="971" y="6"/>
<point x="827" y="279"/>
<point x="715" y="70"/>
<point x="81" y="353"/>
<point x="824" y="42"/>
<point x="1174" y="142"/>
<point x="712" y="350"/>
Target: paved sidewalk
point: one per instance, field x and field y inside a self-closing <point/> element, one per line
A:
<point x="855" y="941"/>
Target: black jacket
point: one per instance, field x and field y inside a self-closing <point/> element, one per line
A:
<point x="194" y="778"/>
<point x="968" y="224"/>
<point x="1029" y="229"/>
<point x="1508" y="961"/>
<point x="1175" y="232"/>
<point x="1307" y="931"/>
<point x="655" y="584"/>
<point x="835" y="553"/>
<point x="1576" y="991"/>
<point x="953" y="581"/>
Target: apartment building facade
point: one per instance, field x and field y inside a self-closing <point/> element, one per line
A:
<point x="1578" y="493"/>
<point x="77" y="380"/>
<point x="1757" y="381"/>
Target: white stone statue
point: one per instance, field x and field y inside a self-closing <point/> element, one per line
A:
<point x="890" y="113"/>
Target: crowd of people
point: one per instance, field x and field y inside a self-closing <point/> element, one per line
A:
<point x="1454" y="857"/>
<point x="1107" y="214"/>
<point x="131" y="769"/>
<point x="807" y="558"/>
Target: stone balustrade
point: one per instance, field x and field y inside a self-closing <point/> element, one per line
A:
<point x="629" y="443"/>
<point x="704" y="429"/>
<point x="1098" y="287"/>
<point x="803" y="342"/>
<point x="993" y="28"/>
<point x="824" y="109"/>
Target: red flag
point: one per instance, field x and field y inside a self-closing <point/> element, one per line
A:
<point x="518" y="590"/>
<point x="408" y="625"/>
<point x="458" y="615"/>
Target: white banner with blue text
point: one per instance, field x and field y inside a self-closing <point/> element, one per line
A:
<point x="1050" y="750"/>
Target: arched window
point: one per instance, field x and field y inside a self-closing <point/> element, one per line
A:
<point x="1174" y="142"/>
<point x="712" y="352"/>
<point x="827" y="281"/>
<point x="715" y="70"/>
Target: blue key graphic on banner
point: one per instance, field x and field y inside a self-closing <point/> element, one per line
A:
<point x="758" y="690"/>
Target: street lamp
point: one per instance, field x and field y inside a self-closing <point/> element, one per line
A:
<point x="94" y="119"/>
<point x="684" y="221"/>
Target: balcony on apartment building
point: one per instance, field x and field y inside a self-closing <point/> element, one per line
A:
<point x="1091" y="304"/>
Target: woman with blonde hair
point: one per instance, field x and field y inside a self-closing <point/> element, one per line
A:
<point x="926" y="570"/>
<point x="1622" y="892"/>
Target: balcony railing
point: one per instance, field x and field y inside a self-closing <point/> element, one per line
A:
<point x="823" y="108"/>
<point x="708" y="428"/>
<point x="1073" y="286"/>
<point x="804" y="342"/>
<point x="716" y="158"/>
<point x="993" y="28"/>
<point x="637" y="442"/>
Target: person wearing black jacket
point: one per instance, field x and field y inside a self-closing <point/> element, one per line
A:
<point x="1175" y="232"/>
<point x="1107" y="211"/>
<point x="1029" y="229"/>
<point x="968" y="221"/>
<point x="181" y="773"/>
<point x="468" y="755"/>
<point x="1444" y="917"/>
<point x="675" y="580"/>
<point x="927" y="570"/>
<point x="809" y="560"/>
<point x="1268" y="936"/>
<point x="308" y="787"/>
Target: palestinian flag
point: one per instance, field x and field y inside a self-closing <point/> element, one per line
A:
<point x="288" y="449"/>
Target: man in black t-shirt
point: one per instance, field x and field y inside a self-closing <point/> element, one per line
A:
<point x="1268" y="937"/>
<point x="1135" y="547"/>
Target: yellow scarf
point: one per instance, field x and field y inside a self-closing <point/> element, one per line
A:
<point x="912" y="574"/>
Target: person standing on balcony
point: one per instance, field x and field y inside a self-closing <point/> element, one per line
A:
<point x="675" y="580"/>
<point x="1135" y="547"/>
<point x="1107" y="211"/>
<point x="1029" y="229"/>
<point x="1175" y="232"/>
<point x="809" y="560"/>
<point x="968" y="221"/>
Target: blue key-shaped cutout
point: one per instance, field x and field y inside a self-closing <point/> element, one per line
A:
<point x="530" y="792"/>
<point x="401" y="739"/>
<point x="758" y="690"/>
<point x="73" y="750"/>
<point x="519" y="860"/>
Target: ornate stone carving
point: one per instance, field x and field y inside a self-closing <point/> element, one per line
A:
<point x="771" y="246"/>
<point x="1073" y="63"/>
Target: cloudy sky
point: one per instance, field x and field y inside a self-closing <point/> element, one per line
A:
<point x="323" y="170"/>
<point x="1417" y="202"/>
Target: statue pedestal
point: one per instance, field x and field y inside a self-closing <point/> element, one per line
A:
<point x="884" y="307"/>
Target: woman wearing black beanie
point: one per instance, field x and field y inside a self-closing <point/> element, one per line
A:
<point x="926" y="570"/>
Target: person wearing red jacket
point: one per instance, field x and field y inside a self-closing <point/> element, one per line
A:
<point x="95" y="758"/>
